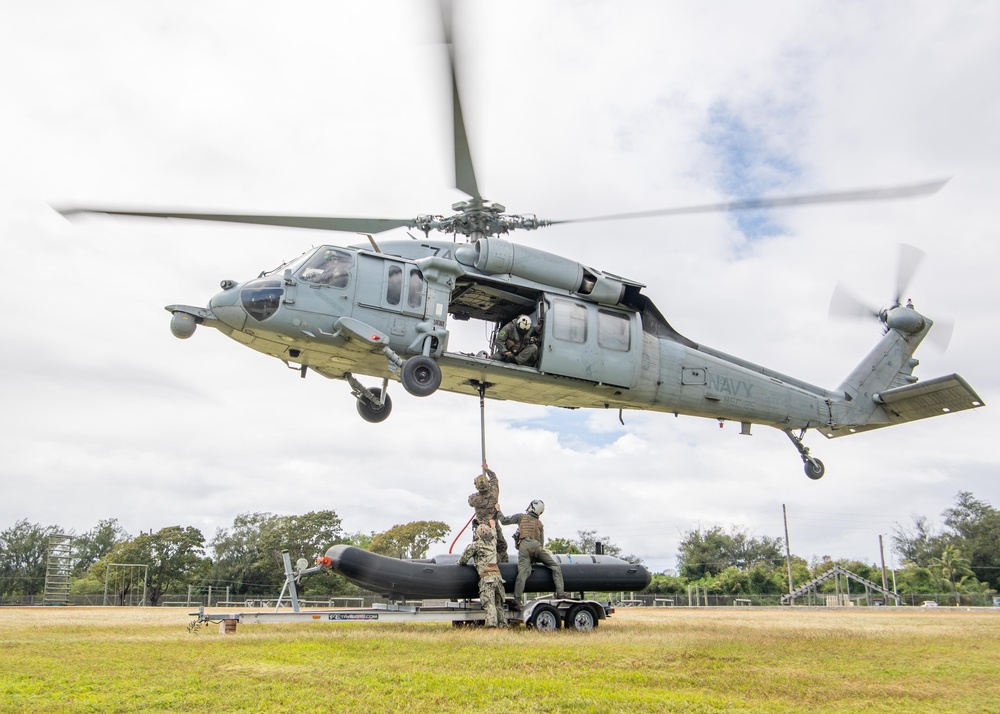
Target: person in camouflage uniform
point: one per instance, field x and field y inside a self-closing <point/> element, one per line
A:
<point x="483" y="554"/>
<point x="484" y="501"/>
<point x="530" y="541"/>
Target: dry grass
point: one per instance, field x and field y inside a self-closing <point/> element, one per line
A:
<point x="641" y="660"/>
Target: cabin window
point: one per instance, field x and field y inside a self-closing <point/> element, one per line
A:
<point x="328" y="267"/>
<point x="613" y="331"/>
<point x="569" y="321"/>
<point x="415" y="292"/>
<point x="394" y="289"/>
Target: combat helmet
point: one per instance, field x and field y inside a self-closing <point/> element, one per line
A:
<point x="484" y="531"/>
<point x="482" y="483"/>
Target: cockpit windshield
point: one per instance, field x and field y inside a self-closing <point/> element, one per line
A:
<point x="328" y="266"/>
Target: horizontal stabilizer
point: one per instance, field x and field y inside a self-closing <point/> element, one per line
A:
<point x="934" y="397"/>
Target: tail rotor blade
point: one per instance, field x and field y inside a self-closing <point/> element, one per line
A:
<point x="910" y="258"/>
<point x="845" y="304"/>
<point x="940" y="334"/>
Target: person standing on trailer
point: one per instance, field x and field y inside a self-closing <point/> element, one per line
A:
<point x="483" y="554"/>
<point x="530" y="542"/>
<point x="484" y="501"/>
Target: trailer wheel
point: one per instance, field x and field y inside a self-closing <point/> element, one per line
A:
<point x="545" y="618"/>
<point x="581" y="618"/>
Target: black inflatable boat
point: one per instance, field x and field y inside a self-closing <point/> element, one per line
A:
<point x="442" y="577"/>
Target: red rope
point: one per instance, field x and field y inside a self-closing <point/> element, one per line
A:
<point x="461" y="532"/>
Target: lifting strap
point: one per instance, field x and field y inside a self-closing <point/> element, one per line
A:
<point x="482" y="439"/>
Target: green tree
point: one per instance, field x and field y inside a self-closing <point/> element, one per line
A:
<point x="248" y="556"/>
<point x="918" y="544"/>
<point x="174" y="556"/>
<point x="971" y="525"/>
<point x="663" y="584"/>
<point x="586" y="542"/>
<point x="96" y="544"/>
<point x="953" y="568"/>
<point x="706" y="553"/>
<point x="563" y="545"/>
<point x="975" y="528"/>
<point x="409" y="540"/>
<point x="23" y="549"/>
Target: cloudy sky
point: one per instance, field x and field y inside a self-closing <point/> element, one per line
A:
<point x="573" y="109"/>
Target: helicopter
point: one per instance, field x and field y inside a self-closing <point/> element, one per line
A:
<point x="381" y="309"/>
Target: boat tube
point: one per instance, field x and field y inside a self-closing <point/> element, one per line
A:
<point x="442" y="576"/>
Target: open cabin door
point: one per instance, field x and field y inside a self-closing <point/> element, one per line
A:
<point x="591" y="342"/>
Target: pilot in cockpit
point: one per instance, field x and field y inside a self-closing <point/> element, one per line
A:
<point x="331" y="267"/>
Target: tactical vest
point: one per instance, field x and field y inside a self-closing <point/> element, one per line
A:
<point x="530" y="527"/>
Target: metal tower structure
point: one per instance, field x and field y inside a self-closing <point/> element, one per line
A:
<point x="58" y="565"/>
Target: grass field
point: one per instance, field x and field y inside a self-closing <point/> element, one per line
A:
<point x="641" y="660"/>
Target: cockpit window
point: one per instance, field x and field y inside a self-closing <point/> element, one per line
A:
<point x="328" y="266"/>
<point x="261" y="298"/>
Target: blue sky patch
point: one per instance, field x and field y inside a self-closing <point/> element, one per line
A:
<point x="749" y="166"/>
<point x="573" y="430"/>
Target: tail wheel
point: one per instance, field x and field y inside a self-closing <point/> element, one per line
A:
<point x="372" y="412"/>
<point x="421" y="376"/>
<point x="815" y="469"/>
<point x="581" y="618"/>
<point x="545" y="618"/>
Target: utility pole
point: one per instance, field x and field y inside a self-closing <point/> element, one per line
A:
<point x="788" y="552"/>
<point x="881" y="551"/>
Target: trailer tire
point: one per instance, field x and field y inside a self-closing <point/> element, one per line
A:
<point x="545" y="618"/>
<point x="581" y="618"/>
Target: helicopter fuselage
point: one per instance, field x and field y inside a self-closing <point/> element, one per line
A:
<point x="592" y="355"/>
<point x="383" y="312"/>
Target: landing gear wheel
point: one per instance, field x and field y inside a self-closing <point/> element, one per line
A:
<point x="421" y="376"/>
<point x="545" y="618"/>
<point x="815" y="469"/>
<point x="373" y="413"/>
<point x="581" y="618"/>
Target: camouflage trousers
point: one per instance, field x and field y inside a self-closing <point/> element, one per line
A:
<point x="531" y="551"/>
<point x="491" y="596"/>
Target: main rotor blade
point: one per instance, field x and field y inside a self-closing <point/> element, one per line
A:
<point x="867" y="194"/>
<point x="910" y="258"/>
<point x="324" y="223"/>
<point x="465" y="173"/>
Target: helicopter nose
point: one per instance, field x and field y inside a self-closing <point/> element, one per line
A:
<point x="226" y="306"/>
<point x="229" y="295"/>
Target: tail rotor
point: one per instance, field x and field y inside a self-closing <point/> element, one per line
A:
<point x="845" y="304"/>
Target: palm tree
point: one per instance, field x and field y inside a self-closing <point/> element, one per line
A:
<point x="954" y="567"/>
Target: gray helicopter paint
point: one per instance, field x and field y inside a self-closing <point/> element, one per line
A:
<point x="596" y="351"/>
<point x="658" y="374"/>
